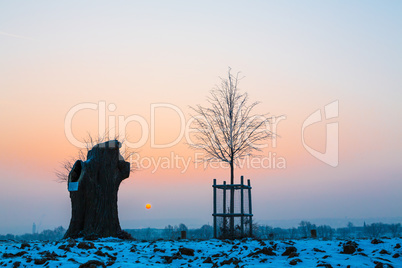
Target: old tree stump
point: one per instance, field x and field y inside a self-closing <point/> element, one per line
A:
<point x="94" y="204"/>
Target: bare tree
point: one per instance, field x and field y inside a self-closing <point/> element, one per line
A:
<point x="227" y="130"/>
<point x="351" y="229"/>
<point x="395" y="229"/>
<point x="325" y="231"/>
<point x="67" y="165"/>
<point x="305" y="228"/>
<point x="375" y="230"/>
<point x="168" y="232"/>
<point x="205" y="232"/>
<point x="293" y="233"/>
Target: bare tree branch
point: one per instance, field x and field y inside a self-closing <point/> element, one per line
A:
<point x="227" y="130"/>
<point x="90" y="142"/>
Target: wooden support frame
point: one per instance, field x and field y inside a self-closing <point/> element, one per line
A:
<point x="221" y="215"/>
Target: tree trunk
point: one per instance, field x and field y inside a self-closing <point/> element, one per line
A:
<point x="94" y="204"/>
<point x="232" y="198"/>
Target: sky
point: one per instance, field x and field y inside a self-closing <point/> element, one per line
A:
<point x="69" y="68"/>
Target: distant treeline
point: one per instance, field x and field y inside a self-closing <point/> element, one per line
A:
<point x="304" y="230"/>
<point x="45" y="235"/>
<point x="172" y="233"/>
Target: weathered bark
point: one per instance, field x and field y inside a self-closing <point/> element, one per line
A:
<point x="94" y="204"/>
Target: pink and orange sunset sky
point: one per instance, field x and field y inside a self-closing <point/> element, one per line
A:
<point x="296" y="58"/>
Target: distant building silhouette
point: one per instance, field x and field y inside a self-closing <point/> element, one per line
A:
<point x="33" y="228"/>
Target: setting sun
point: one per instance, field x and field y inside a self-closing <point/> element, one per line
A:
<point x="148" y="206"/>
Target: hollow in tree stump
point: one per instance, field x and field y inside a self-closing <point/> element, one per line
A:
<point x="94" y="203"/>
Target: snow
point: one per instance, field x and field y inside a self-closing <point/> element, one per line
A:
<point x="117" y="253"/>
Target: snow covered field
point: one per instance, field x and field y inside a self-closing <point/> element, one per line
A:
<point x="211" y="253"/>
